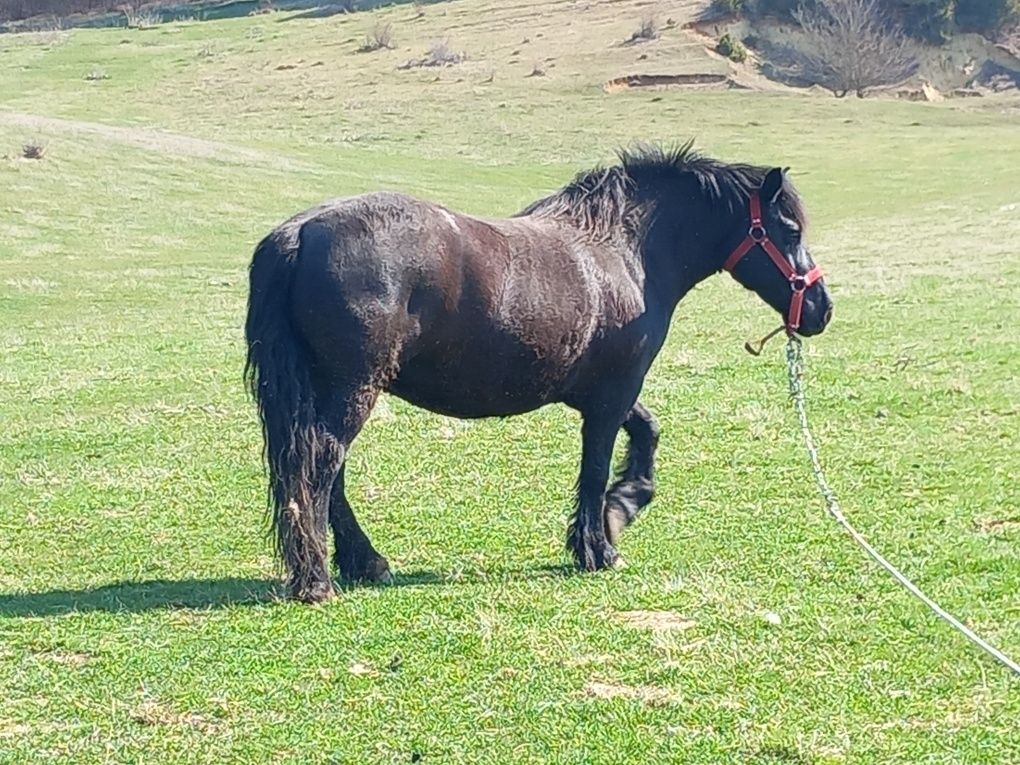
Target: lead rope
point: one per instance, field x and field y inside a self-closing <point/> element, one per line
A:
<point x="795" y="369"/>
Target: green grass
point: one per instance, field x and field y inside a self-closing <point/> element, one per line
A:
<point x="138" y="618"/>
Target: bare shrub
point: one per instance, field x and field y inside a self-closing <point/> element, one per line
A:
<point x="381" y="37"/>
<point x="142" y="18"/>
<point x="852" y="45"/>
<point x="649" y="30"/>
<point x="33" y="150"/>
<point x="440" y="54"/>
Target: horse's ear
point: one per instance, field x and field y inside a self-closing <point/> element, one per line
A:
<point x="772" y="186"/>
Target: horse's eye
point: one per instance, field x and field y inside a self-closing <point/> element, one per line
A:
<point x="795" y="236"/>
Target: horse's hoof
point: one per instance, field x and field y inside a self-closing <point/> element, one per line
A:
<point x="599" y="558"/>
<point x="320" y="592"/>
<point x="374" y="571"/>
<point x="619" y="563"/>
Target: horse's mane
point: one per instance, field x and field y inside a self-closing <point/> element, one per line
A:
<point x="601" y="201"/>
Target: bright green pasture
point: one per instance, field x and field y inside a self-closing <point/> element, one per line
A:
<point x="138" y="615"/>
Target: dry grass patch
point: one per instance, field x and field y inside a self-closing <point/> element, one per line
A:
<point x="33" y="284"/>
<point x="992" y="525"/>
<point x="656" y="620"/>
<point x="73" y="659"/>
<point x="160" y="714"/>
<point x="646" y="694"/>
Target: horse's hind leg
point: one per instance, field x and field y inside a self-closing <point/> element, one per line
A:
<point x="301" y="525"/>
<point x="636" y="484"/>
<point x="354" y="555"/>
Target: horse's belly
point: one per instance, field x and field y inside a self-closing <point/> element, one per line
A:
<point x="491" y="358"/>
<point x="479" y="386"/>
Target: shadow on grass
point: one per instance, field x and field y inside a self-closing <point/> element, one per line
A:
<point x="210" y="593"/>
<point x="144" y="596"/>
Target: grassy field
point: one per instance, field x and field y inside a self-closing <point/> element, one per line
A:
<point x="138" y="614"/>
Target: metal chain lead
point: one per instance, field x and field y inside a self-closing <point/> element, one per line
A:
<point x="795" y="369"/>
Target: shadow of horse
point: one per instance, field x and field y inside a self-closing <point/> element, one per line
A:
<point x="204" y="594"/>
<point x="136" y="597"/>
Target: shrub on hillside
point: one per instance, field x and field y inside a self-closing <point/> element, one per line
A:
<point x="649" y="30"/>
<point x="732" y="48"/>
<point x="440" y="54"/>
<point x="381" y="37"/>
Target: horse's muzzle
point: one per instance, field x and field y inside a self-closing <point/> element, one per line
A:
<point x="816" y="318"/>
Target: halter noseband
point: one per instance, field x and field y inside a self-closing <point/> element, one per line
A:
<point x="758" y="237"/>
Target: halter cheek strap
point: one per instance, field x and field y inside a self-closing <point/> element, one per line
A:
<point x="757" y="236"/>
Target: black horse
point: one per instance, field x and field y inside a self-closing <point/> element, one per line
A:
<point x="567" y="302"/>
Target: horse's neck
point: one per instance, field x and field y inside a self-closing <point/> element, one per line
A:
<point x="677" y="254"/>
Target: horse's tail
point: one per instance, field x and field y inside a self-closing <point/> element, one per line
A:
<point x="277" y="372"/>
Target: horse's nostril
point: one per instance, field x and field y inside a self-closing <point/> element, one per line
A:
<point x="828" y="314"/>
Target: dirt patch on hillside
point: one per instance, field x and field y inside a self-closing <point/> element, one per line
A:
<point x="699" y="81"/>
<point x="159" y="141"/>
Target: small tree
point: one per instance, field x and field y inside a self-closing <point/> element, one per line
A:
<point x="851" y="45"/>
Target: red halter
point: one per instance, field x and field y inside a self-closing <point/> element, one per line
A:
<point x="757" y="236"/>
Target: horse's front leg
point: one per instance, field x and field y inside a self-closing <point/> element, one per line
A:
<point x="586" y="536"/>
<point x="636" y="484"/>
